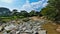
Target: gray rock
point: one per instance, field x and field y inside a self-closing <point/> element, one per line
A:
<point x="1" y="28"/>
<point x="42" y="32"/>
<point x="5" y="33"/>
<point x="17" y="32"/>
<point x="10" y="27"/>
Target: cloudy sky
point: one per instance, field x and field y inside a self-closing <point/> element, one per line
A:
<point x="27" y="5"/>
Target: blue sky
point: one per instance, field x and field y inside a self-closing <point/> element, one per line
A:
<point x="27" y="5"/>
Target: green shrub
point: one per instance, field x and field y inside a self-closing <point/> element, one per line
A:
<point x="26" y="19"/>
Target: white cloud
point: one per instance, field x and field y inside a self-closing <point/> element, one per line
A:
<point x="45" y="4"/>
<point x="27" y="6"/>
<point x="39" y="4"/>
<point x="33" y="6"/>
<point x="36" y="4"/>
<point x="6" y="1"/>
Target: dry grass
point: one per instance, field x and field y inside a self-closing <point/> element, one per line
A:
<point x="51" y="29"/>
<point x="0" y="32"/>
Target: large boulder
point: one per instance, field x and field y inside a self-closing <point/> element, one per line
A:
<point x="1" y="28"/>
<point x="10" y="27"/>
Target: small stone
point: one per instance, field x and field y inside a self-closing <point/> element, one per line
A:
<point x="58" y="30"/>
<point x="28" y="31"/>
<point x="42" y="32"/>
<point x="18" y="32"/>
<point x="1" y="28"/>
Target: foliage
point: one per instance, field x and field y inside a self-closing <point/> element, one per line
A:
<point x="21" y="17"/>
<point x="49" y="12"/>
<point x="24" y="13"/>
<point x="56" y="4"/>
<point x="15" y="12"/>
<point x="7" y="14"/>
<point x="32" y="13"/>
<point x="52" y="10"/>
<point x="26" y="19"/>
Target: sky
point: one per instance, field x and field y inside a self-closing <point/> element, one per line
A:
<point x="26" y="5"/>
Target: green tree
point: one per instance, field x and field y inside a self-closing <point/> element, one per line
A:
<point x="15" y="12"/>
<point x="33" y="13"/>
<point x="24" y="13"/>
<point x="52" y="9"/>
<point x="56" y="4"/>
<point x="49" y="12"/>
<point x="38" y="13"/>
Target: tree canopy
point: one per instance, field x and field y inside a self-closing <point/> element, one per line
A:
<point x="52" y="10"/>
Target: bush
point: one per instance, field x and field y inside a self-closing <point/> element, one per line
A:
<point x="21" y="17"/>
<point x="49" y="12"/>
<point x="26" y="19"/>
<point x="3" y="21"/>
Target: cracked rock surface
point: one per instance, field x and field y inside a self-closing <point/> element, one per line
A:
<point x="30" y="27"/>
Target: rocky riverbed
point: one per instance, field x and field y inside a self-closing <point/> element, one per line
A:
<point x="29" y="27"/>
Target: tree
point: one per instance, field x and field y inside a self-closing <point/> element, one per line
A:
<point x="38" y="13"/>
<point x="52" y="9"/>
<point x="15" y="12"/>
<point x="33" y="13"/>
<point x="49" y="12"/>
<point x="24" y="13"/>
